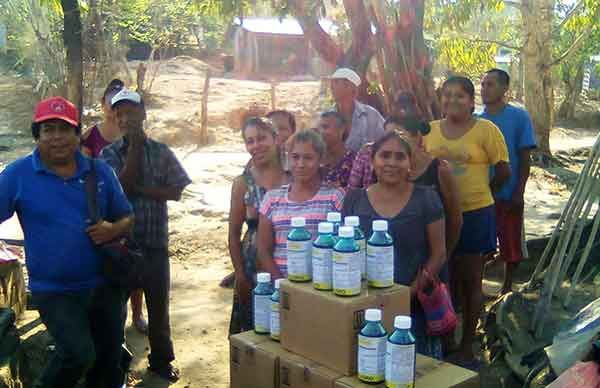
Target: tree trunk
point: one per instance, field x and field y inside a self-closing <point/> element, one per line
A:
<point x="537" y="19"/>
<point x="73" y="44"/>
<point x="573" y="87"/>
<point x="414" y="71"/>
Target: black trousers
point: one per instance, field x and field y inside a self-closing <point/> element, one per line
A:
<point x="156" y="286"/>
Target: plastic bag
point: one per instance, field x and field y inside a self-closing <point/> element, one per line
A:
<point x="439" y="312"/>
<point x="580" y="375"/>
<point x="574" y="342"/>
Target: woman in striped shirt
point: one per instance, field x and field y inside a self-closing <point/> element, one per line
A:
<point x="305" y="197"/>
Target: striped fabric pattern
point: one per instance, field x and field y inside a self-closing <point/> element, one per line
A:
<point x="279" y="210"/>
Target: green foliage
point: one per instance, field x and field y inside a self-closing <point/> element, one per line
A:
<point x="34" y="42"/>
<point x="466" y="57"/>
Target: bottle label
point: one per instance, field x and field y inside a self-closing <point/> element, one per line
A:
<point x="346" y="273"/>
<point x="400" y="366"/>
<point x="299" y="260"/>
<point x="362" y="255"/>
<point x="322" y="267"/>
<point x="371" y="358"/>
<point x="274" y="327"/>
<point x="262" y="313"/>
<point x="380" y="266"/>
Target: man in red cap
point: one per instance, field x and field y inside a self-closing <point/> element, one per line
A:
<point x="47" y="190"/>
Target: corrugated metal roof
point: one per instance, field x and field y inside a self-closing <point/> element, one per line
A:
<point x="285" y="26"/>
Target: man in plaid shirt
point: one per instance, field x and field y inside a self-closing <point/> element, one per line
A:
<point x="151" y="175"/>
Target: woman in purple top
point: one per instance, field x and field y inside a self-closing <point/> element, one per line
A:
<point x="337" y="161"/>
<point x="92" y="142"/>
<point x="106" y="132"/>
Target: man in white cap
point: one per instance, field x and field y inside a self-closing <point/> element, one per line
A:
<point x="151" y="175"/>
<point x="366" y="123"/>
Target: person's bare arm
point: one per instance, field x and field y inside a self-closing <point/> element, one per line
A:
<point x="518" y="197"/>
<point x="133" y="163"/>
<point x="237" y="215"/>
<point x="501" y="175"/>
<point x="105" y="231"/>
<point x="265" y="245"/>
<point x="437" y="255"/>
<point x="169" y="193"/>
<point x="451" y="199"/>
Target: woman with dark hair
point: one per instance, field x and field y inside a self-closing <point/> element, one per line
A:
<point x="306" y="196"/>
<point x="415" y="216"/>
<point x="106" y="132"/>
<point x="471" y="145"/>
<point x="264" y="173"/>
<point x="338" y="160"/>
<point x="436" y="173"/>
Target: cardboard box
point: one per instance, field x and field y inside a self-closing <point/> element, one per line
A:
<point x="299" y="372"/>
<point x="249" y="366"/>
<point x="323" y="327"/>
<point x="430" y="373"/>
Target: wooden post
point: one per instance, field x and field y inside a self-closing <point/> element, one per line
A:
<point x="273" y="95"/>
<point x="204" y="123"/>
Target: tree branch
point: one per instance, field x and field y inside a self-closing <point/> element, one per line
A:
<point x="574" y="46"/>
<point x="499" y="43"/>
<point x="569" y="15"/>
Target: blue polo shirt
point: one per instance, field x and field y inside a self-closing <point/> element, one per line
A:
<point x="516" y="126"/>
<point x="53" y="213"/>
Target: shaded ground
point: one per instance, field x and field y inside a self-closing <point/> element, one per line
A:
<point x="199" y="308"/>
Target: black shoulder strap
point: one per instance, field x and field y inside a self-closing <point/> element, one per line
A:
<point x="90" y="190"/>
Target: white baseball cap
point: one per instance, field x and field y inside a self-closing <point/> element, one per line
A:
<point x="126" y="95"/>
<point x="347" y="74"/>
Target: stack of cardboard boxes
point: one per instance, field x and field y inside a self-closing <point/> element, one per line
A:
<point x="318" y="346"/>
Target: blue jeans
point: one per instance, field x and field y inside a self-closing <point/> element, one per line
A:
<point x="88" y="330"/>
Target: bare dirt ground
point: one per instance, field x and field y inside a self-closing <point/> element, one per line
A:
<point x="199" y="308"/>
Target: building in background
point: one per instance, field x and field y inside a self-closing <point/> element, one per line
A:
<point x="270" y="46"/>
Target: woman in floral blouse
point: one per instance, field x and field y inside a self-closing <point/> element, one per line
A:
<point x="337" y="161"/>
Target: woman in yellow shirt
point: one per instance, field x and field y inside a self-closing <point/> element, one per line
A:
<point x="471" y="145"/>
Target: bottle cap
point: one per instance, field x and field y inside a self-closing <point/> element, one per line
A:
<point x="325" y="227"/>
<point x="277" y="283"/>
<point x="380" y="226"/>
<point x="402" y="322"/>
<point x="352" y="221"/>
<point x="263" y="277"/>
<point x="298" y="222"/>
<point x="373" y="315"/>
<point x="334" y="217"/>
<point x="346" y="231"/>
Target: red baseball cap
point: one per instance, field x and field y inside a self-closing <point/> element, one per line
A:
<point x="56" y="108"/>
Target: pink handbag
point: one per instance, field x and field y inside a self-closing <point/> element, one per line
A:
<point x="439" y="312"/>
